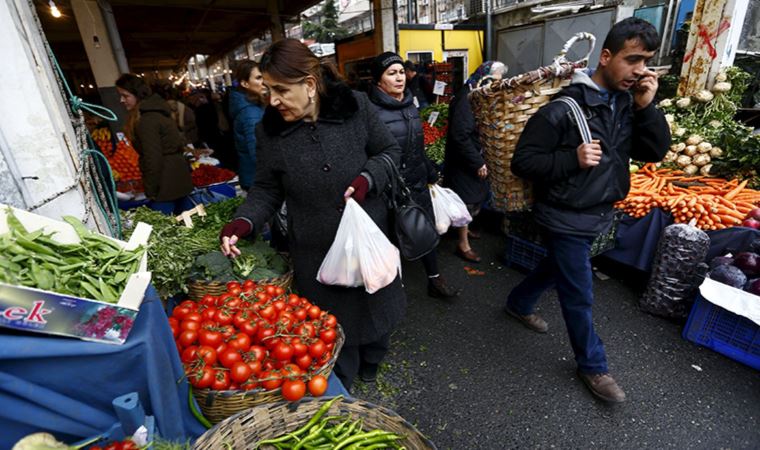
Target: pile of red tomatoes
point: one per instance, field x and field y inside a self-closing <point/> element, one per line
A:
<point x="255" y="337"/>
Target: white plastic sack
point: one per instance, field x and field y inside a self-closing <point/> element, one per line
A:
<point x="360" y="255"/>
<point x="448" y="208"/>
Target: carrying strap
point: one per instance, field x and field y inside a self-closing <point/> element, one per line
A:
<point x="397" y="188"/>
<point x="580" y="118"/>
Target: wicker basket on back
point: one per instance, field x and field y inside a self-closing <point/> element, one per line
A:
<point x="501" y="111"/>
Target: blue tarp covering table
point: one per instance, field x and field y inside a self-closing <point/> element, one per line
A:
<point x="636" y="242"/>
<point x="65" y="386"/>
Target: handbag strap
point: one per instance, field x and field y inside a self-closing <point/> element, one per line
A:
<point x="397" y="188"/>
<point x="580" y="118"/>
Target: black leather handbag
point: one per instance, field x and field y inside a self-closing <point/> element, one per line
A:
<point x="414" y="231"/>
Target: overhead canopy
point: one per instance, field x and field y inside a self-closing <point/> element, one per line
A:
<point x="164" y="34"/>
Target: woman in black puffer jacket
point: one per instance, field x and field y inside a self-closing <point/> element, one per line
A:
<point x="395" y="107"/>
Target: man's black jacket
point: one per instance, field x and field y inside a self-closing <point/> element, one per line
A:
<point x="568" y="198"/>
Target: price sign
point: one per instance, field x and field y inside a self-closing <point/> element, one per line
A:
<point x="433" y="117"/>
<point x="439" y="87"/>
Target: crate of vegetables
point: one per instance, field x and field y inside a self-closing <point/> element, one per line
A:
<point x="254" y="344"/>
<point x="58" y="277"/>
<point x="333" y="423"/>
<point x="726" y="315"/>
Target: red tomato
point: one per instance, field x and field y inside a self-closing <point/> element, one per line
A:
<point x="279" y="305"/>
<point x="294" y="300"/>
<point x="189" y="354"/>
<point x="317" y="349"/>
<point x="193" y="315"/>
<point x="229" y="357"/>
<point x="328" y="335"/>
<point x="293" y="390"/>
<point x="175" y="329"/>
<point x="249" y="284"/>
<point x="223" y="317"/>
<point x="190" y="304"/>
<point x="187" y="338"/>
<point x="203" y="378"/>
<point x="317" y="385"/>
<point x="221" y="347"/>
<point x="233" y="303"/>
<point x="330" y="321"/>
<point x="271" y="290"/>
<point x="96" y="447"/>
<point x="235" y="290"/>
<point x="173" y="320"/>
<point x="249" y="327"/>
<point x="268" y="313"/>
<point x="210" y="338"/>
<point x="304" y="361"/>
<point x="113" y="446"/>
<point x="208" y="354"/>
<point x="264" y="332"/>
<point x="227" y="331"/>
<point x="314" y="312"/>
<point x="300" y="314"/>
<point x="239" y="319"/>
<point x="180" y="312"/>
<point x="188" y="324"/>
<point x="232" y="284"/>
<point x="299" y="348"/>
<point x="129" y="445"/>
<point x="239" y="341"/>
<point x="240" y="372"/>
<point x="221" y="381"/>
<point x="257" y="352"/>
<point x="208" y="300"/>
<point x="256" y="367"/>
<point x="250" y="385"/>
<point x="305" y="330"/>
<point x="282" y="352"/>
<point x="272" y="380"/>
<point x="209" y="313"/>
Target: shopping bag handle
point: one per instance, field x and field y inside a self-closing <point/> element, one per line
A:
<point x="582" y="36"/>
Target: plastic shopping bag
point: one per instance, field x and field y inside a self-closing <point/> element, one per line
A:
<point x="448" y="208"/>
<point x="360" y="255"/>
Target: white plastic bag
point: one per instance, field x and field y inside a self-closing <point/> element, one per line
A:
<point x="448" y="208"/>
<point x="360" y="255"/>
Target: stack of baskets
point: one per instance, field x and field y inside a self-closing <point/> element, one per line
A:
<point x="219" y="405"/>
<point x="245" y="429"/>
<point x="501" y="111"/>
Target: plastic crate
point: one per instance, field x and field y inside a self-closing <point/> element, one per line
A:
<point x="523" y="253"/>
<point x="723" y="331"/>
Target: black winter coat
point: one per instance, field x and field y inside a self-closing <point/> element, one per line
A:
<point x="165" y="171"/>
<point x="464" y="156"/>
<point x="403" y="121"/>
<point x="570" y="199"/>
<point x="310" y="165"/>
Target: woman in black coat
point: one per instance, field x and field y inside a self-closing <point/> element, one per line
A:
<point x="394" y="103"/>
<point x="464" y="169"/>
<point x="318" y="143"/>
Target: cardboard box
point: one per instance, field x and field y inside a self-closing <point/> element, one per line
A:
<point x="48" y="312"/>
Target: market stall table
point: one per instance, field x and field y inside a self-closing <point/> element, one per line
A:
<point x="65" y="386"/>
<point x="636" y="242"/>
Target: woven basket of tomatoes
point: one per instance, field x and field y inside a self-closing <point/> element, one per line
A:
<point x="254" y="344"/>
<point x="197" y="289"/>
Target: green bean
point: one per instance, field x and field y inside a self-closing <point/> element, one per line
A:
<point x="35" y="247"/>
<point x="361" y="437"/>
<point x="313" y="421"/>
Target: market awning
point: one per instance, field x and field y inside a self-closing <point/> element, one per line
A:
<point x="164" y="34"/>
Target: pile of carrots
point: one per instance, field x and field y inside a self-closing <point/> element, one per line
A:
<point x="712" y="203"/>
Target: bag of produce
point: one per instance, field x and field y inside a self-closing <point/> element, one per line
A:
<point x="361" y="255"/>
<point x="448" y="208"/>
<point x="677" y="271"/>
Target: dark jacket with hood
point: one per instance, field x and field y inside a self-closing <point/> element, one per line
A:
<point x="579" y="201"/>
<point x="245" y="114"/>
<point x="165" y="171"/>
<point x="464" y="155"/>
<point x="310" y="165"/>
<point x="403" y="121"/>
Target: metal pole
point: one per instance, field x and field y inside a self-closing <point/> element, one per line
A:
<point x="409" y="11"/>
<point x="489" y="31"/>
<point x="667" y="32"/>
<point x="113" y="34"/>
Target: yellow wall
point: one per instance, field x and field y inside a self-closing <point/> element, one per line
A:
<point x="430" y="41"/>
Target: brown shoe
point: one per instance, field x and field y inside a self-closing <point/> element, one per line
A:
<point x="532" y="321"/>
<point x="473" y="234"/>
<point x="468" y="255"/>
<point x="438" y="288"/>
<point x="603" y="386"/>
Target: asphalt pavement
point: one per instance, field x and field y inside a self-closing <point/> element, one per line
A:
<point x="470" y="377"/>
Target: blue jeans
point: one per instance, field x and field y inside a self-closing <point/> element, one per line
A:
<point x="171" y="207"/>
<point x="566" y="267"/>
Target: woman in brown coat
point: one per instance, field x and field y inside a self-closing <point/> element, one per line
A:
<point x="154" y="134"/>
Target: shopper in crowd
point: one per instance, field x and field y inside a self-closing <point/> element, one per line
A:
<point x="246" y="110"/>
<point x="577" y="183"/>
<point x="150" y="128"/>
<point x="464" y="169"/>
<point x="318" y="144"/>
<point x="421" y="92"/>
<point x="394" y="104"/>
<point x="209" y="117"/>
<point x="182" y="114"/>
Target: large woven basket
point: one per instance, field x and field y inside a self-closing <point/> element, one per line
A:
<point x="196" y="289"/>
<point x="218" y="405"/>
<point x="245" y="429"/>
<point x="501" y="111"/>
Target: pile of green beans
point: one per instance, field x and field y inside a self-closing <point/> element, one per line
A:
<point x="96" y="268"/>
<point x="323" y="432"/>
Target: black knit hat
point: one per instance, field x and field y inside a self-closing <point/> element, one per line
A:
<point x="382" y="62"/>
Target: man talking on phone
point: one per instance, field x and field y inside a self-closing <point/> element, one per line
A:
<point x="576" y="184"/>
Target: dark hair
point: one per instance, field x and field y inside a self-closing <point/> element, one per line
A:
<point x="291" y="61"/>
<point x="135" y="85"/>
<point x="632" y="28"/>
<point x="243" y="69"/>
